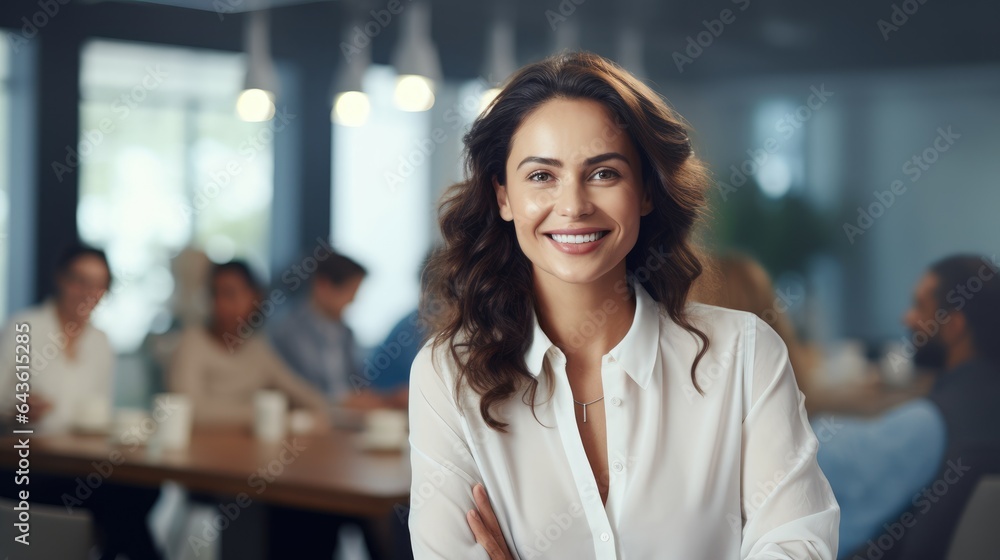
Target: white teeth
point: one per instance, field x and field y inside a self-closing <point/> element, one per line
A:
<point x="590" y="237"/>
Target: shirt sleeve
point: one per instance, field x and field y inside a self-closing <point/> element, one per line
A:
<point x="443" y="468"/>
<point x="301" y="393"/>
<point x="187" y="376"/>
<point x="789" y="509"/>
<point x="902" y="451"/>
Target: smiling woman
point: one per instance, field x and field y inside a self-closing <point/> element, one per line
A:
<point x="571" y="403"/>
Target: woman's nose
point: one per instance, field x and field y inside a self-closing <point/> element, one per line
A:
<point x="572" y="201"/>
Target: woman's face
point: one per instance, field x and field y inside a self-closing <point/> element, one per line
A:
<point x="82" y="286"/>
<point x="574" y="190"/>
<point x="232" y="299"/>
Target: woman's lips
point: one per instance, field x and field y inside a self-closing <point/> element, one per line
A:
<point x="577" y="244"/>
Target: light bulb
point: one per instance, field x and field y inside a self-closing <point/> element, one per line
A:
<point x="351" y="108"/>
<point x="255" y="105"/>
<point x="414" y="93"/>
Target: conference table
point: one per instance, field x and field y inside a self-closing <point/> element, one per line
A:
<point x="330" y="472"/>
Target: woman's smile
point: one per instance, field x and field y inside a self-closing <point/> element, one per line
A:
<point x="577" y="242"/>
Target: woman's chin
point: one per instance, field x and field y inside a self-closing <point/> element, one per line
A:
<point x="578" y="274"/>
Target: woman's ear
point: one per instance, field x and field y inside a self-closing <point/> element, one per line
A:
<point x="647" y="201"/>
<point x="501" y="192"/>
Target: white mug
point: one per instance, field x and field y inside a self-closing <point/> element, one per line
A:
<point x="386" y="428"/>
<point x="173" y="415"/>
<point x="301" y="421"/>
<point x="132" y="427"/>
<point x="270" y="415"/>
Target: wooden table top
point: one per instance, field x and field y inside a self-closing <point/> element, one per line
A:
<point x="328" y="472"/>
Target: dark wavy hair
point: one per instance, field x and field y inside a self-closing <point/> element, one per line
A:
<point x="479" y="281"/>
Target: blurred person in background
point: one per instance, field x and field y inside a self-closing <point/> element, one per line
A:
<point x="72" y="361"/>
<point x="320" y="347"/>
<point x="222" y="365"/>
<point x="72" y="367"/>
<point x="387" y="368"/>
<point x="888" y="472"/>
<point x="318" y="344"/>
<point x="739" y="282"/>
<point x="190" y="305"/>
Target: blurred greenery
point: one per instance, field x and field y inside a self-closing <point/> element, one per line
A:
<point x="783" y="233"/>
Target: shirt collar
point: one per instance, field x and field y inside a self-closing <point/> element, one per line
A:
<point x="636" y="352"/>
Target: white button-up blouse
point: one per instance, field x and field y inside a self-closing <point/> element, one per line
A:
<point x="725" y="475"/>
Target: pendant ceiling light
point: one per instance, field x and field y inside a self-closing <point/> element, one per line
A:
<point x="416" y="60"/>
<point x="256" y="102"/>
<point x="351" y="105"/>
<point x="501" y="58"/>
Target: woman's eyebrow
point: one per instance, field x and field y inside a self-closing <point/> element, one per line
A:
<point x="589" y="161"/>
<point x="541" y="160"/>
<point x="606" y="157"/>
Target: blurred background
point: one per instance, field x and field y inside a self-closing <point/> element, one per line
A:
<point x="179" y="166"/>
<point x="852" y="143"/>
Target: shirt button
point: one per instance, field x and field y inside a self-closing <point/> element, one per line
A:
<point x="616" y="401"/>
<point x="605" y="537"/>
<point x="618" y="466"/>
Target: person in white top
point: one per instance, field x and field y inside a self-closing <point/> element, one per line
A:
<point x="72" y="363"/>
<point x="571" y="402"/>
<point x="69" y="387"/>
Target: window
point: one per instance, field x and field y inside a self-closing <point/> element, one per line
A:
<point x="382" y="208"/>
<point x="777" y="156"/>
<point x="165" y="164"/>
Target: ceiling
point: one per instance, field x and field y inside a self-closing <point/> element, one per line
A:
<point x="775" y="37"/>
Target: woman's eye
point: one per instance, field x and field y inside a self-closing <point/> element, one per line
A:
<point x="606" y="174"/>
<point x="540" y="176"/>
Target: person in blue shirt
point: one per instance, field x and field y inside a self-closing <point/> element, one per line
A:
<point x="913" y="466"/>
<point x="314" y="340"/>
<point x="387" y="369"/>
